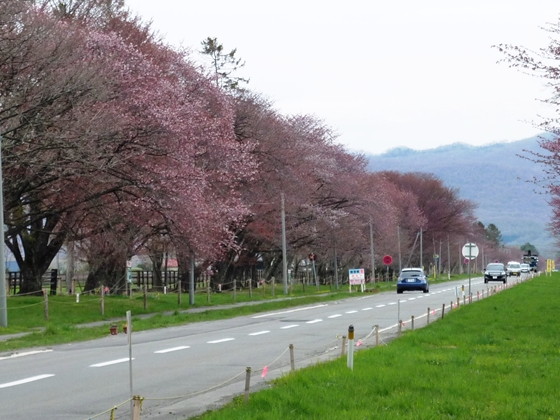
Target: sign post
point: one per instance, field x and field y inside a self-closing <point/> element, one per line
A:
<point x="387" y="260"/>
<point x="356" y="276"/>
<point x="470" y="252"/>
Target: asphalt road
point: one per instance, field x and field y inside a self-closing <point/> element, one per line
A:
<point x="183" y="371"/>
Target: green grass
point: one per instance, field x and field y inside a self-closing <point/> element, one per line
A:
<point x="496" y="359"/>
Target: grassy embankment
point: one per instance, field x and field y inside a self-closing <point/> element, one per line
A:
<point x="65" y="314"/>
<point x="496" y="359"/>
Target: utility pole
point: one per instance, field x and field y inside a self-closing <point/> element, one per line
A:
<point x="421" y="259"/>
<point x="399" y="243"/>
<point x="284" y="252"/>
<point x="3" y="302"/>
<point x="371" y="251"/>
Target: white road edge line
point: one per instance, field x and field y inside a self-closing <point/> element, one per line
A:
<point x="26" y="380"/>
<point x="289" y="312"/>
<point x="29" y="353"/>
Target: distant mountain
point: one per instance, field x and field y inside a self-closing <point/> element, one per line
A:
<point x="494" y="176"/>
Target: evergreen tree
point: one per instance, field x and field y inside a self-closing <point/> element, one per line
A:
<point x="223" y="65"/>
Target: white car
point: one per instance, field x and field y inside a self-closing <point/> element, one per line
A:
<point x="525" y="268"/>
<point x="513" y="268"/>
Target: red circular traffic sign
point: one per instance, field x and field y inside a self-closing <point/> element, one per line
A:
<point x="387" y="260"/>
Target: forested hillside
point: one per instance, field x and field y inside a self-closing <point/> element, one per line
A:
<point x="493" y="176"/>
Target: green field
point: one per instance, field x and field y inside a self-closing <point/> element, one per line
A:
<point x="496" y="359"/>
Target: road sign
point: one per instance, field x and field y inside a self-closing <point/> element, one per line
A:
<point x="387" y="260"/>
<point x="470" y="251"/>
<point x="356" y="275"/>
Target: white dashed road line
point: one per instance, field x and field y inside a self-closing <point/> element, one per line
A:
<point x="172" y="349"/>
<point x="220" y="341"/>
<point x="111" y="362"/>
<point x="289" y="326"/>
<point x="260" y="332"/>
<point x="26" y="380"/>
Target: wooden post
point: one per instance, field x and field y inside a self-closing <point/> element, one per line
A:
<point x="46" y="298"/>
<point x="292" y="361"/>
<point x="376" y="335"/>
<point x="273" y="280"/>
<point x="442" y="311"/>
<point x="247" y="383"/>
<point x="137" y="405"/>
<point x="234" y="289"/>
<point x="343" y="345"/>
<point x="102" y="300"/>
<point x="458" y="303"/>
<point x="207" y="290"/>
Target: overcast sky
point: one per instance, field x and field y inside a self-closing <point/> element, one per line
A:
<point x="381" y="74"/>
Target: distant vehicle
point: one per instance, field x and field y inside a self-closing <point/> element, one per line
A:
<point x="495" y="272"/>
<point x="525" y="268"/>
<point x="532" y="260"/>
<point x="412" y="279"/>
<point x="513" y="268"/>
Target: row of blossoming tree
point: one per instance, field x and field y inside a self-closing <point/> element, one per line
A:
<point x="116" y="144"/>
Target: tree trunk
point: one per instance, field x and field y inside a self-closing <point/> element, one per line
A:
<point x="39" y="248"/>
<point x="111" y="273"/>
<point x="157" y="262"/>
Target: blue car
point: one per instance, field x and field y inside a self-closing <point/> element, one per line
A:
<point x="412" y="279"/>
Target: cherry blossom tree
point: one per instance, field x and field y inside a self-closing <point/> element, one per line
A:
<point x="110" y="130"/>
<point x="544" y="63"/>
